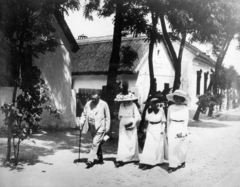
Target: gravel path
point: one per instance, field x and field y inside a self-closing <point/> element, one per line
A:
<point x="213" y="161"/>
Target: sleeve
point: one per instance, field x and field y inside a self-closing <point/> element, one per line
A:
<point x="147" y="116"/>
<point x="163" y="120"/>
<point x="163" y="115"/>
<point x="168" y="117"/>
<point x="136" y="113"/>
<point x="120" y="112"/>
<point x="136" y="116"/>
<point x="83" y="117"/>
<point x="186" y="111"/>
<point x="107" y="117"/>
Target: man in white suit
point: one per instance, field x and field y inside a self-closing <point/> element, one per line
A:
<point x="96" y="119"/>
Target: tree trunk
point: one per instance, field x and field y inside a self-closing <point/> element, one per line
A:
<point x="9" y="141"/>
<point x="220" y="104"/>
<point x="177" y="79"/>
<point x="169" y="46"/>
<point x="197" y="113"/>
<point x="10" y="124"/>
<point x="217" y="68"/>
<point x="111" y="88"/>
<point x="153" y="85"/>
<point x="228" y="99"/>
<point x="153" y="37"/>
<point x="117" y="38"/>
<point x="219" y="63"/>
<point x="210" y="112"/>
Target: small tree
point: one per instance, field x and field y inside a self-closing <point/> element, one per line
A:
<point x="28" y="28"/>
<point x="205" y="101"/>
<point x="30" y="104"/>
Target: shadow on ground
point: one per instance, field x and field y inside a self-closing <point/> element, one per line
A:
<point x="213" y="122"/>
<point x="47" y="143"/>
<point x="204" y="124"/>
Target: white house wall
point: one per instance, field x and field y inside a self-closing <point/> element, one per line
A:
<point x="189" y="74"/>
<point x="163" y="71"/>
<point x="196" y="67"/>
<point x="56" y="72"/>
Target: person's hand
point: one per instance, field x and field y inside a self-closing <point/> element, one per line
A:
<point x="132" y="126"/>
<point x="145" y="130"/>
<point x="80" y="127"/>
<point x="107" y="130"/>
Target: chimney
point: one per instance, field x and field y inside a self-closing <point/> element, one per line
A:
<point x="82" y="37"/>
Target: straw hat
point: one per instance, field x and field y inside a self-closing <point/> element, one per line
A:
<point x="127" y="97"/>
<point x="179" y="93"/>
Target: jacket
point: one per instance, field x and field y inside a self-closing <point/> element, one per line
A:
<point x="101" y="117"/>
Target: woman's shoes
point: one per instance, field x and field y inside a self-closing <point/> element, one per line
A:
<point x="183" y="165"/>
<point x="170" y="170"/>
<point x="118" y="164"/>
<point x="145" y="167"/>
<point x="89" y="164"/>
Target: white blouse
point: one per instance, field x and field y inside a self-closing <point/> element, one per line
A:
<point x="152" y="117"/>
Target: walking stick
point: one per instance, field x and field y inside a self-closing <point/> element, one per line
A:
<point x="78" y="160"/>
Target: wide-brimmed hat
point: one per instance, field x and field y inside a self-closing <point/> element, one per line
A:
<point x="126" y="97"/>
<point x="179" y="93"/>
<point x="156" y="97"/>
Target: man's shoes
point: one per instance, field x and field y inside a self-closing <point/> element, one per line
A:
<point x="89" y="164"/>
<point x="118" y="164"/>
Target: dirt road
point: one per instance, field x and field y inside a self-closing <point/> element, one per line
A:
<point x="213" y="161"/>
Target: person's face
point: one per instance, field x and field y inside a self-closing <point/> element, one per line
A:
<point x="127" y="102"/>
<point x="95" y="98"/>
<point x="153" y="104"/>
<point x="178" y="100"/>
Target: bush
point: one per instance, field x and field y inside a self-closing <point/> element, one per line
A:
<point x="30" y="104"/>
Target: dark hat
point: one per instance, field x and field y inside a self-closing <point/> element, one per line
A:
<point x="156" y="97"/>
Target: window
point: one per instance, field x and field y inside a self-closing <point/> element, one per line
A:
<point x="199" y="75"/>
<point x="166" y="86"/>
<point x="205" y="81"/>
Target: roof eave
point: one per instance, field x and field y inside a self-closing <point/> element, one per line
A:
<point x="62" y="23"/>
<point x="103" y="73"/>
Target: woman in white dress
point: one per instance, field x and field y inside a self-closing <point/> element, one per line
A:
<point x="177" y="122"/>
<point x="153" y="151"/>
<point x="129" y="117"/>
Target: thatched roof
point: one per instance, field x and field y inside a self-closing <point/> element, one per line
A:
<point x="94" y="54"/>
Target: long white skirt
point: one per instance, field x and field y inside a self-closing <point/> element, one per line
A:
<point x="177" y="147"/>
<point x="154" y="148"/>
<point x="127" y="142"/>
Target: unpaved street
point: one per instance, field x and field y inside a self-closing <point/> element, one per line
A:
<point x="213" y="161"/>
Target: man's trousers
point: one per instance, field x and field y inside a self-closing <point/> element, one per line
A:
<point x="96" y="149"/>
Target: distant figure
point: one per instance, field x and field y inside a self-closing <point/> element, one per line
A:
<point x="97" y="117"/>
<point x="177" y="122"/>
<point x="129" y="117"/>
<point x="155" y="143"/>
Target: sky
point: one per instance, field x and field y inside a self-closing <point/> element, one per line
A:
<point x="104" y="27"/>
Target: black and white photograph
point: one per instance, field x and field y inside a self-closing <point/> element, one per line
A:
<point x="119" y="93"/>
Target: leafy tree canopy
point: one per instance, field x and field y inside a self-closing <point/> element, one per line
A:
<point x="28" y="25"/>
